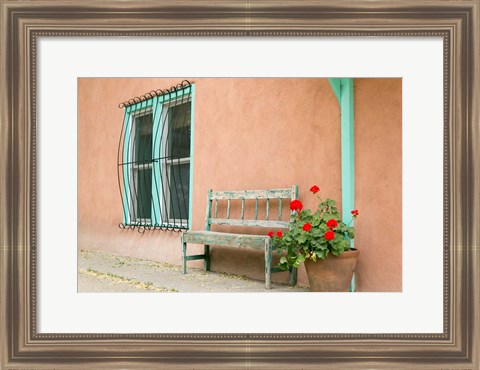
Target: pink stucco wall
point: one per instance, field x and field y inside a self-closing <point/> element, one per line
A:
<point x="253" y="133"/>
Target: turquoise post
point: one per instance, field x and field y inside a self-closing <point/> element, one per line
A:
<point x="343" y="89"/>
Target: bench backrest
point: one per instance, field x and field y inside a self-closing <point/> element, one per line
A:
<point x="267" y="197"/>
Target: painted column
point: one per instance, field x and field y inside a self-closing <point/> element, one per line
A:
<point x="343" y="89"/>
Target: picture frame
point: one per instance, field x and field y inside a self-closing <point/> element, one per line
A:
<point x="23" y="22"/>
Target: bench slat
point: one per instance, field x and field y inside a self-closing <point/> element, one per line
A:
<point x="226" y="239"/>
<point x="267" y="209"/>
<point x="259" y="223"/>
<point x="253" y="194"/>
<point x="280" y="209"/>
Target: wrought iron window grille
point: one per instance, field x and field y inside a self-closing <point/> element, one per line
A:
<point x="154" y="156"/>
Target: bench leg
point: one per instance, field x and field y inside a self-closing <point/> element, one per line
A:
<point x="206" y="250"/>
<point x="268" y="264"/>
<point x="184" y="249"/>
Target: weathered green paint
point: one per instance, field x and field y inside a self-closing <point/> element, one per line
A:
<point x="209" y="210"/>
<point x="208" y="238"/>
<point x="268" y="263"/>
<point x="195" y="257"/>
<point x="206" y="250"/>
<point x="184" y="259"/>
<point x="267" y="208"/>
<point x="226" y="239"/>
<point x="293" y="271"/>
<point x="343" y="89"/>
<point x="242" y="222"/>
<point x="294" y="192"/>
<point x="253" y="194"/>
<point x="280" y="209"/>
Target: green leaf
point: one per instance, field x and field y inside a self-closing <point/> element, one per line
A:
<point x="283" y="260"/>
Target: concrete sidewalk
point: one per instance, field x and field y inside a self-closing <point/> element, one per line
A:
<point x="105" y="272"/>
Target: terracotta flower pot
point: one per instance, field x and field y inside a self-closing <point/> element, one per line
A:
<point x="332" y="274"/>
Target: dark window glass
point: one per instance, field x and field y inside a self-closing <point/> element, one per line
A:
<point x="179" y="190"/>
<point x="144" y="192"/>
<point x="179" y="131"/>
<point x="143" y="138"/>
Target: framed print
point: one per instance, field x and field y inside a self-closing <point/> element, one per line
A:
<point x="256" y="72"/>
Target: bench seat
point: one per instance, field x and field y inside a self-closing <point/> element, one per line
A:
<point x="226" y="239"/>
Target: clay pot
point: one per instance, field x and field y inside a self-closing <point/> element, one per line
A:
<point x="332" y="274"/>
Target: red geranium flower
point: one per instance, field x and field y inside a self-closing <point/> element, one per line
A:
<point x="332" y="223"/>
<point x="279" y="234"/>
<point x="354" y="212"/>
<point x="270" y="234"/>
<point x="314" y="189"/>
<point x="296" y="205"/>
<point x="307" y="227"/>
<point x="329" y="235"/>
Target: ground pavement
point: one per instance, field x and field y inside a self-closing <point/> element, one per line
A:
<point x="105" y="272"/>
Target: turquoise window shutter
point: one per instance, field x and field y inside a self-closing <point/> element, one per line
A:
<point x="125" y="173"/>
<point x="156" y="166"/>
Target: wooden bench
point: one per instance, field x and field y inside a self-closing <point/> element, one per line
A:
<point x="260" y="242"/>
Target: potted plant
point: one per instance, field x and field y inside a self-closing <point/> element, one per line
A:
<point x="321" y="240"/>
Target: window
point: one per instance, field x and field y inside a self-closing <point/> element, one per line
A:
<point x="176" y="165"/>
<point x="155" y="160"/>
<point x="141" y="176"/>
